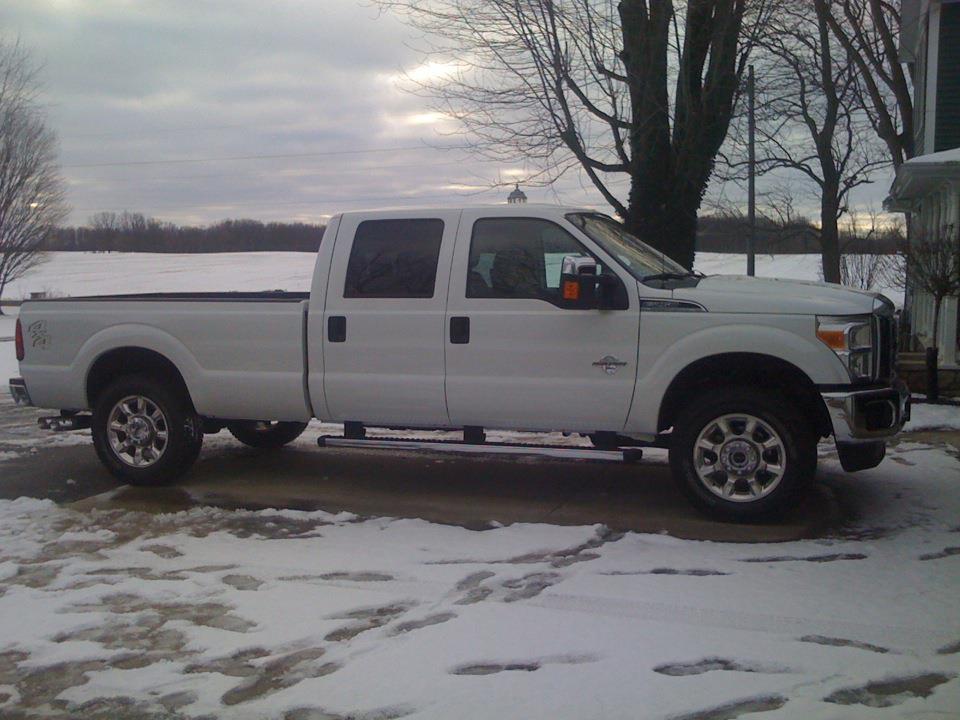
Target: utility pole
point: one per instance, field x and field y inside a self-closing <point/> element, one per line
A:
<point x="752" y="178"/>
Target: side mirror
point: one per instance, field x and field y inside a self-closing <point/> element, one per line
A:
<point x="579" y="283"/>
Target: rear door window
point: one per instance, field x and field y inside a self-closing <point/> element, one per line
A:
<point x="394" y="259"/>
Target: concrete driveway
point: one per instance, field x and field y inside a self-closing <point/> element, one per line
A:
<point x="469" y="491"/>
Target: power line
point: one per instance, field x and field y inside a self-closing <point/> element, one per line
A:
<point x="283" y="156"/>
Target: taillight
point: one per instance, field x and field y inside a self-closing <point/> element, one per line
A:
<point x="20" y="351"/>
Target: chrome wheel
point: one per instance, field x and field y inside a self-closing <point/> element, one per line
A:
<point x="137" y="430"/>
<point x="739" y="457"/>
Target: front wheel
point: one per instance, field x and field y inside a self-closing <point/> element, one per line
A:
<point x="145" y="431"/>
<point x="742" y="454"/>
<point x="262" y="434"/>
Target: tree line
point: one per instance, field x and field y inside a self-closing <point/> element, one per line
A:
<point x="720" y="232"/>
<point x="135" y="232"/>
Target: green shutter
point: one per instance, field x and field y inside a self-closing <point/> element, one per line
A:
<point x="948" y="79"/>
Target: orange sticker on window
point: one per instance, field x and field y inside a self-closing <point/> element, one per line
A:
<point x="571" y="290"/>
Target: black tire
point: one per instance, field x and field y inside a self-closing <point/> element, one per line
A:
<point x="756" y="493"/>
<point x="181" y="424"/>
<point x="266" y="435"/>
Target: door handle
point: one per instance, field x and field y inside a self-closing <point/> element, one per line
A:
<point x="337" y="328"/>
<point x="459" y="330"/>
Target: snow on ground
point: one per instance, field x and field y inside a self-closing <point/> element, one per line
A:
<point x="284" y="614"/>
<point x="105" y="273"/>
<point x="924" y="416"/>
<point x="102" y="273"/>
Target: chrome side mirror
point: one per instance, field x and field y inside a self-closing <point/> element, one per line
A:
<point x="578" y="265"/>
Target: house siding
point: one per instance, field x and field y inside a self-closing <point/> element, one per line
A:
<point x="947" y="128"/>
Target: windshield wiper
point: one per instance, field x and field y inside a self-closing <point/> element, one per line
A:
<point x="673" y="276"/>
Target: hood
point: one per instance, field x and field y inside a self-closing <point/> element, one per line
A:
<point x="744" y="294"/>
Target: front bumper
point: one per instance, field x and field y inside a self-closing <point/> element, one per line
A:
<point x="18" y="390"/>
<point x="860" y="416"/>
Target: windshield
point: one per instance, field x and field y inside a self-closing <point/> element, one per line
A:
<point x="639" y="258"/>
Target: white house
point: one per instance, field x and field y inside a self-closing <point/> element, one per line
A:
<point x="927" y="187"/>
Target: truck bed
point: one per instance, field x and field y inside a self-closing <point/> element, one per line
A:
<point x="241" y="354"/>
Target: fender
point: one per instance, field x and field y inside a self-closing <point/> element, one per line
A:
<point x="147" y="338"/>
<point x="810" y="356"/>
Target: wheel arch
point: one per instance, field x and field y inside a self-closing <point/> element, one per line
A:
<point x="131" y="360"/>
<point x="750" y="369"/>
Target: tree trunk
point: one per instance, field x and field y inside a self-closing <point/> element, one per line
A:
<point x="829" y="242"/>
<point x="666" y="223"/>
<point x="933" y="355"/>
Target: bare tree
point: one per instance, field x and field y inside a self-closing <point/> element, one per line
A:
<point x="641" y="90"/>
<point x="31" y="191"/>
<point x="863" y="264"/>
<point x="869" y="30"/>
<point x="811" y="118"/>
<point x="933" y="264"/>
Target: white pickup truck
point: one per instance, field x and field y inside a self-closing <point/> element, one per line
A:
<point x="522" y="317"/>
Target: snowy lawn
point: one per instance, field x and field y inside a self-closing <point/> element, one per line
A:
<point x="101" y="273"/>
<point x="283" y="614"/>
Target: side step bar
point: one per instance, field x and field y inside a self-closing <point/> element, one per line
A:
<point x="624" y="455"/>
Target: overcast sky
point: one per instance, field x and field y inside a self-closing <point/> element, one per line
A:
<point x="150" y="98"/>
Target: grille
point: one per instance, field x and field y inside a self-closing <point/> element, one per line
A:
<point x="886" y="329"/>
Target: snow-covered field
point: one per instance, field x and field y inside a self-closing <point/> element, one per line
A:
<point x="283" y="614"/>
<point x="100" y="273"/>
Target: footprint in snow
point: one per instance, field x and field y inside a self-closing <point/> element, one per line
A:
<point x="945" y="553"/>
<point x="410" y="625"/>
<point x="472" y="586"/>
<point x="492" y="668"/>
<point x="833" y="557"/>
<point x="367" y="619"/>
<point x="951" y="649"/>
<point x="843" y="642"/>
<point x="693" y="572"/>
<point x="739" y="708"/>
<point x="242" y="582"/>
<point x="888" y="693"/>
<point x="280" y="673"/>
<point x="715" y="663"/>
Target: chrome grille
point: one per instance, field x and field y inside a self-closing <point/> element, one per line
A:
<point x="885" y="327"/>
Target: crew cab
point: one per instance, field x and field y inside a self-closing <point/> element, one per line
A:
<point x="516" y="317"/>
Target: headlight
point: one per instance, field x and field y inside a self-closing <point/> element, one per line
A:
<point x="851" y="338"/>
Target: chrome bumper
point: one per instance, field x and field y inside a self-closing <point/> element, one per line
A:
<point x="18" y="389"/>
<point x="868" y="415"/>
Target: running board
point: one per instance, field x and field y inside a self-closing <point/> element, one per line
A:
<point x="624" y="455"/>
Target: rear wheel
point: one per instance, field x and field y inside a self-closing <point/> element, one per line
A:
<point x="144" y="431"/>
<point x="742" y="454"/>
<point x="263" y="434"/>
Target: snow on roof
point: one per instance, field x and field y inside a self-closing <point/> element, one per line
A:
<point x="920" y="176"/>
<point x="937" y="158"/>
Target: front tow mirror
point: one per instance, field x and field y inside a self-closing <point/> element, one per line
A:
<point x="579" y="283"/>
<point x="583" y="287"/>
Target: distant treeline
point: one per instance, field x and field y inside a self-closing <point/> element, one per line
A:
<point x="133" y="232"/>
<point x="729" y="234"/>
